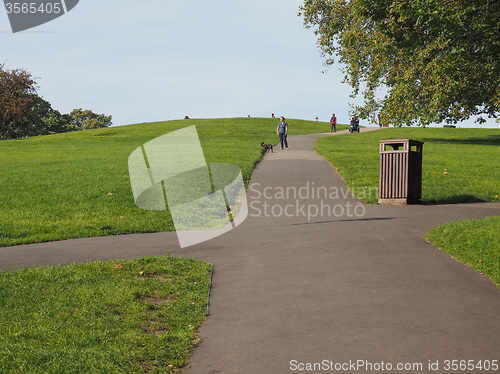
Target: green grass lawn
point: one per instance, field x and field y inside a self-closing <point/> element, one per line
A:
<point x="474" y="242"/>
<point x="115" y="317"/>
<point x="77" y="185"/>
<point x="459" y="165"/>
<point x="142" y="315"/>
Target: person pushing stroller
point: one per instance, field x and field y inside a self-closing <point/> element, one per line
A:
<point x="354" y="126"/>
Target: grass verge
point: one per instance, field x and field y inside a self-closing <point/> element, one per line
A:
<point x="474" y="242"/>
<point x="459" y="165"/>
<point x="114" y="317"/>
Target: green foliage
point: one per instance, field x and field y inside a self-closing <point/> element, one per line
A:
<point x="437" y="60"/>
<point x="19" y="104"/>
<point x="54" y="123"/>
<point x="474" y="242"/>
<point x="459" y="165"/>
<point x="77" y="184"/>
<point x="23" y="113"/>
<point x="115" y="317"/>
<point x="86" y="119"/>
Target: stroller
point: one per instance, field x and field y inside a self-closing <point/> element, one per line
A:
<point x="354" y="126"/>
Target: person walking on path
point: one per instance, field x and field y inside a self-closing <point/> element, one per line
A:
<point x="282" y="131"/>
<point x="333" y="122"/>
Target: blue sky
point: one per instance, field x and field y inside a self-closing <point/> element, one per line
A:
<point x="163" y="59"/>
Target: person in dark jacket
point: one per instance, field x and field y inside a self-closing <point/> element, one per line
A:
<point x="354" y="125"/>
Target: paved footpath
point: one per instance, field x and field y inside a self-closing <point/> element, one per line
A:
<point x="315" y="278"/>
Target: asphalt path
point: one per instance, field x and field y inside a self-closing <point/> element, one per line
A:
<point x="316" y="281"/>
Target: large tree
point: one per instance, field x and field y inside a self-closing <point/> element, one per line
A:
<point x="18" y="100"/>
<point x="416" y="61"/>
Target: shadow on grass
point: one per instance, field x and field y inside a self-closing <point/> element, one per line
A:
<point x="459" y="199"/>
<point x="486" y="140"/>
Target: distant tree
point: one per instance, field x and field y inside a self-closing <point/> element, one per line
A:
<point x="86" y="120"/>
<point x="47" y="120"/>
<point x="24" y="113"/>
<point x="435" y="60"/>
<point x="55" y="122"/>
<point x="18" y="99"/>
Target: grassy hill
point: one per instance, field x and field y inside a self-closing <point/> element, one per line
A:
<point x="77" y="185"/>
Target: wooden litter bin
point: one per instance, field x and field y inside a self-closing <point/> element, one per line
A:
<point x="400" y="171"/>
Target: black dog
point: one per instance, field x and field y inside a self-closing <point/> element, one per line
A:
<point x="267" y="147"/>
